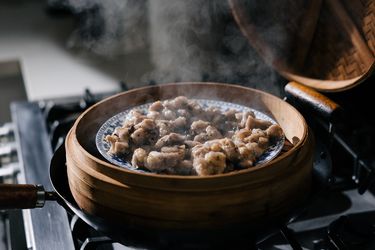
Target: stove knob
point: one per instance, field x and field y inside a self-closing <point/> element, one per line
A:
<point x="9" y="166"/>
<point x="8" y="153"/>
<point x="6" y="133"/>
<point x="9" y="170"/>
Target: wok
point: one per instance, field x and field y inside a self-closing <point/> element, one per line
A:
<point x="249" y="196"/>
<point x="23" y="196"/>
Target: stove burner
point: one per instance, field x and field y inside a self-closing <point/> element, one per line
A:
<point x="362" y="173"/>
<point x="59" y="129"/>
<point x="353" y="232"/>
<point x="60" y="116"/>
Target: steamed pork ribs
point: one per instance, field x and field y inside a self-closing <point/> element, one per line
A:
<point x="181" y="137"/>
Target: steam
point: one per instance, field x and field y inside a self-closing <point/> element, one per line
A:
<point x="199" y="40"/>
<point x="109" y="28"/>
<point x="188" y="40"/>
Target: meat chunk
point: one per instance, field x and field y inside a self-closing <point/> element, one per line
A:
<point x="263" y="142"/>
<point x="252" y="122"/>
<point x="172" y="138"/>
<point x="213" y="133"/>
<point x="139" y="158"/>
<point x="136" y="117"/>
<point x="123" y="133"/>
<point x="210" y="133"/>
<point x="179" y="123"/>
<point x="224" y="145"/>
<point x="117" y="147"/>
<point x="230" y="149"/>
<point x="240" y="135"/>
<point x="229" y="134"/>
<point x="199" y="126"/>
<point x="194" y="108"/>
<point x="183" y="113"/>
<point x="243" y="116"/>
<point x="189" y="145"/>
<point x="169" y="114"/>
<point x="180" y="102"/>
<point x="112" y="139"/>
<point x="212" y="112"/>
<point x="165" y="127"/>
<point x="202" y="137"/>
<point x="255" y="149"/>
<point x="275" y="131"/>
<point x="176" y="103"/>
<point x="212" y="163"/>
<point x="175" y="149"/>
<point x="154" y="115"/>
<point x="255" y="135"/>
<point x="247" y="157"/>
<point x="158" y="161"/>
<point x="230" y="115"/>
<point x="139" y="136"/>
<point x="212" y="156"/>
<point x="146" y="124"/>
<point x="249" y="153"/>
<point x="156" y="106"/>
<point x="199" y="151"/>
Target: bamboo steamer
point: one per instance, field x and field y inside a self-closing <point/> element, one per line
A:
<point x="326" y="45"/>
<point x="262" y="193"/>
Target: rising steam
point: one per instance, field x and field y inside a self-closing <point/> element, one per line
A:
<point x="188" y="40"/>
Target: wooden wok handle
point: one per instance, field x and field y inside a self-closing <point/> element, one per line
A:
<point x="312" y="100"/>
<point x="21" y="196"/>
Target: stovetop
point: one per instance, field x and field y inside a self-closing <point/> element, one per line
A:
<point x="338" y="217"/>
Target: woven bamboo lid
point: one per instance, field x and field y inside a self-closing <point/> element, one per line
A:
<point x="326" y="44"/>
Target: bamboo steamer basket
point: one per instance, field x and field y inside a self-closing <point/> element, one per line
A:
<point x="327" y="45"/>
<point x="262" y="193"/>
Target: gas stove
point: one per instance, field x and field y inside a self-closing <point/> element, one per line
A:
<point x="340" y="216"/>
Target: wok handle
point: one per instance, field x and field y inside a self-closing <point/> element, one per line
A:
<point x="312" y="100"/>
<point x="21" y="196"/>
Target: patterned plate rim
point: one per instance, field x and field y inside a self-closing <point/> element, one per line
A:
<point x="115" y="121"/>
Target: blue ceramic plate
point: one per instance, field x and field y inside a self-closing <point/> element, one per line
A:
<point x="117" y="120"/>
